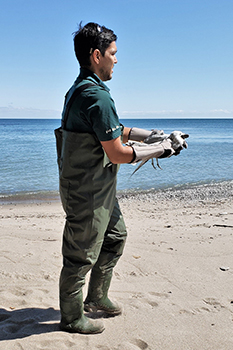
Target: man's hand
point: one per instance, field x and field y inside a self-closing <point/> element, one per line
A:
<point x="144" y="152"/>
<point x="178" y="141"/>
<point x="155" y="136"/>
<point x="143" y="135"/>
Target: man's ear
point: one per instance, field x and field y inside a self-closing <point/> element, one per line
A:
<point x="96" y="56"/>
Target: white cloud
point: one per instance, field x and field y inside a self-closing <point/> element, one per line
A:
<point x="221" y="111"/>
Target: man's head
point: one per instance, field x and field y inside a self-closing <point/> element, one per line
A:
<point x="95" y="48"/>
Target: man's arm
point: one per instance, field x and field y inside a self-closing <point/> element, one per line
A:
<point x="119" y="154"/>
<point x="116" y="152"/>
<point x="126" y="132"/>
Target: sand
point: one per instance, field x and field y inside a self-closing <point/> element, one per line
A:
<point x="174" y="280"/>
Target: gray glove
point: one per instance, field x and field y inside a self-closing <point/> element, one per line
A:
<point x="137" y="134"/>
<point x="144" y="152"/>
<point x="178" y="141"/>
<point x="155" y="136"/>
<point x="177" y="138"/>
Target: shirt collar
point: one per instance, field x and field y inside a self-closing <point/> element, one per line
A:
<point x="85" y="73"/>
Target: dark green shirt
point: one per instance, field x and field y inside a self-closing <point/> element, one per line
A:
<point x="93" y="111"/>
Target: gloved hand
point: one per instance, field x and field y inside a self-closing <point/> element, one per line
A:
<point x="177" y="138"/>
<point x="155" y="136"/>
<point x="144" y="152"/>
<point x="137" y="134"/>
<point x="178" y="141"/>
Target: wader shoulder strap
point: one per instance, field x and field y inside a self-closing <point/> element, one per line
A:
<point x="71" y="100"/>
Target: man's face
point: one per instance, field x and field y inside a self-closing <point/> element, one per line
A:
<point x="107" y="62"/>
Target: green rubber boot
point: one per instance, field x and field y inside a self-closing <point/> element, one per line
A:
<point x="97" y="297"/>
<point x="74" y="321"/>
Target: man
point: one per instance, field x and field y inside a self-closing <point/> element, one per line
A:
<point x="91" y="147"/>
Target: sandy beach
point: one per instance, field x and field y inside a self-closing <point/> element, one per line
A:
<point x="174" y="280"/>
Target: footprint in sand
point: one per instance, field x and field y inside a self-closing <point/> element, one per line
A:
<point x="211" y="305"/>
<point x="135" y="345"/>
<point x="214" y="304"/>
<point x="157" y="296"/>
<point x="152" y="299"/>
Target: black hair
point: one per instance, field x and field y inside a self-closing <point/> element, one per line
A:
<point x="90" y="37"/>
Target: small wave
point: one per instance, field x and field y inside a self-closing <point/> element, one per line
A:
<point x="29" y="197"/>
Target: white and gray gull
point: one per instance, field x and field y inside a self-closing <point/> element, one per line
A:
<point x="147" y="149"/>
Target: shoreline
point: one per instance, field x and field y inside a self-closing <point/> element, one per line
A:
<point x="202" y="192"/>
<point x="192" y="192"/>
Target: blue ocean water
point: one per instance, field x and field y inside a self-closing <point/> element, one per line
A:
<point x="28" y="156"/>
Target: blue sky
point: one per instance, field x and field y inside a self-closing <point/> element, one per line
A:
<point x="175" y="57"/>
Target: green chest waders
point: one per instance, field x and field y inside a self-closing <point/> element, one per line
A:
<point x="94" y="233"/>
